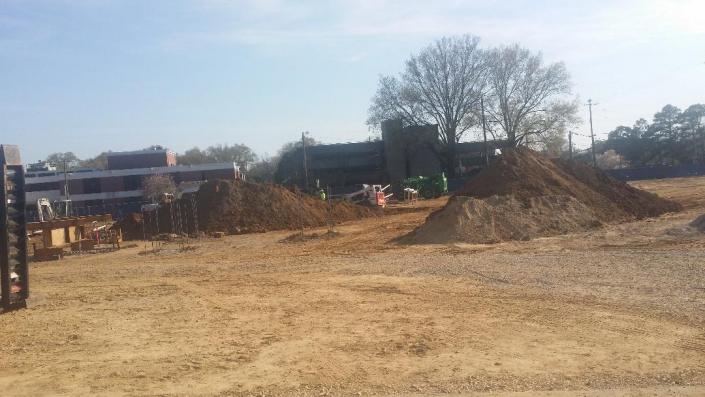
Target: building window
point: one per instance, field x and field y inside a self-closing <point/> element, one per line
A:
<point x="132" y="182"/>
<point x="40" y="187"/>
<point x="91" y="185"/>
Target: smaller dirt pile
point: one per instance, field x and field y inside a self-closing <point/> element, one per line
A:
<point x="131" y="227"/>
<point x="238" y="208"/>
<point x="243" y="207"/>
<point x="523" y="195"/>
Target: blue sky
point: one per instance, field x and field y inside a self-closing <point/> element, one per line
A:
<point x="91" y="75"/>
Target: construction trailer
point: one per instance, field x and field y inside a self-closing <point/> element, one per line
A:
<point x="14" y="282"/>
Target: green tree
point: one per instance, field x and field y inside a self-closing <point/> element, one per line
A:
<point x="667" y="122"/>
<point x="63" y="161"/>
<point x="663" y="138"/>
<point x="99" y="162"/>
<point x="674" y="137"/>
<point x="693" y="131"/>
<point x="193" y="156"/>
<point x="293" y="145"/>
<point x="237" y="153"/>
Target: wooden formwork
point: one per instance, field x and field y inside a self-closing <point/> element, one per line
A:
<point x="70" y="234"/>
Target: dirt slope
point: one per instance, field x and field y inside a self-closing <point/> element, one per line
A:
<point x="523" y="195"/>
<point x="636" y="202"/>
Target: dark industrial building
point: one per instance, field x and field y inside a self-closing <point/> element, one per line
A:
<point x="401" y="153"/>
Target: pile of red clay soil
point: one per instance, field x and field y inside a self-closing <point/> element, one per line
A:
<point x="243" y="207"/>
<point x="524" y="195"/>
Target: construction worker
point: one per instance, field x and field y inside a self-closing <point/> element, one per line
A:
<point x="322" y="193"/>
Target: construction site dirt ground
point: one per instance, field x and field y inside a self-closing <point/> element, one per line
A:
<point x="615" y="311"/>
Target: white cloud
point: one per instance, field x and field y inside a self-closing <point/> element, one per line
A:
<point x="281" y="22"/>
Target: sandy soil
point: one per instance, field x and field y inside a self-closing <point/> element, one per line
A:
<point x="616" y="311"/>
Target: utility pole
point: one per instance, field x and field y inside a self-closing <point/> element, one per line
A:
<point x="484" y="131"/>
<point x="303" y="148"/>
<point x="570" y="144"/>
<point x="66" y="190"/>
<point x="592" y="133"/>
<point x="701" y="130"/>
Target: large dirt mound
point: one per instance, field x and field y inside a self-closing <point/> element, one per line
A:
<point x="243" y="207"/>
<point x="524" y="195"/>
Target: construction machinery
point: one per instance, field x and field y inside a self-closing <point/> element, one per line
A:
<point x="427" y="186"/>
<point x="14" y="286"/>
<point x="44" y="210"/>
<point x="369" y="194"/>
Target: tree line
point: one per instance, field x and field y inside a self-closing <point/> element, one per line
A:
<point x="673" y="137"/>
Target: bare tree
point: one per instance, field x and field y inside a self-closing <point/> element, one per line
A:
<point x="263" y="170"/>
<point x="610" y="160"/>
<point x="154" y="186"/>
<point x="525" y="97"/>
<point x="546" y="130"/>
<point x="441" y="85"/>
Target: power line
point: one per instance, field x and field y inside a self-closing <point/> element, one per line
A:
<point x="583" y="135"/>
<point x="303" y="148"/>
